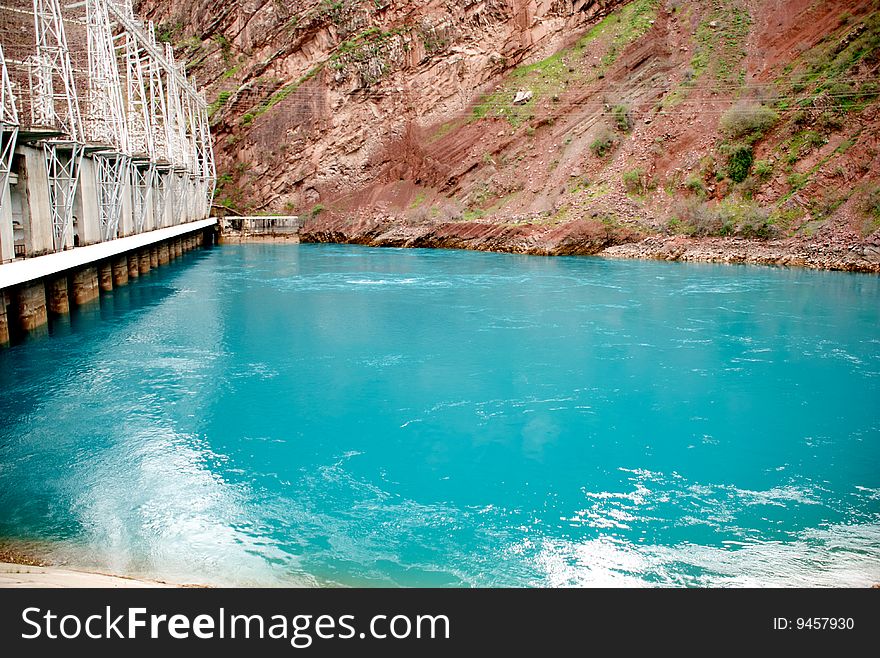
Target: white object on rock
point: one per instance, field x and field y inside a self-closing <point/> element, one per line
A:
<point x="522" y="97"/>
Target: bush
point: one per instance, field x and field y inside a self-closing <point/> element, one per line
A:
<point x="871" y="202"/>
<point x="747" y="120"/>
<point x="739" y="162"/>
<point x="744" y="219"/>
<point x="695" y="185"/>
<point x="797" y="181"/>
<point x="622" y="119"/>
<point x="636" y="181"/>
<point x="763" y="170"/>
<point x="604" y="143"/>
<point x="632" y="180"/>
<point x="694" y="217"/>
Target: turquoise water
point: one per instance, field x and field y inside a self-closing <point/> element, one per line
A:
<point x="275" y="414"/>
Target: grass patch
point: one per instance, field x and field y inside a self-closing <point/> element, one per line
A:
<point x="221" y="101"/>
<point x="286" y="91"/>
<point x="549" y="77"/>
<point x="418" y="200"/>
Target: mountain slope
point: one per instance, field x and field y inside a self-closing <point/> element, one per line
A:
<point x="556" y="126"/>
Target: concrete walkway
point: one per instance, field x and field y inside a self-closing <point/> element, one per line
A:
<point x="20" y="575"/>
<point x="31" y="269"/>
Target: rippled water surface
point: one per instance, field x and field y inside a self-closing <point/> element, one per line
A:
<point x="274" y="414"/>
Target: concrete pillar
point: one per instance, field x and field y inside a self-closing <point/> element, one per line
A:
<point x="86" y="287"/>
<point x="120" y="271"/>
<point x="178" y="250"/>
<point x="4" y="321"/>
<point x="85" y="207"/>
<point x="154" y="257"/>
<point x="37" y="217"/>
<point x="7" y="236"/>
<point x="105" y="276"/>
<point x="59" y="296"/>
<point x="149" y="213"/>
<point x="32" y="313"/>
<point x="133" y="267"/>
<point x="163" y="254"/>
<point x="144" y="261"/>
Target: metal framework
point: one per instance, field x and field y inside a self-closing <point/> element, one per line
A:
<point x="101" y="85"/>
<point x="8" y="126"/>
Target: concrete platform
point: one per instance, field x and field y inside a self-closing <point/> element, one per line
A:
<point x="19" y="575"/>
<point x="31" y="269"/>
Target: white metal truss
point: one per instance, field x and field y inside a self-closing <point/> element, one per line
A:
<point x="158" y="105"/>
<point x="140" y="132"/>
<point x="55" y="104"/>
<point x="106" y="120"/>
<point x="55" y="100"/>
<point x="131" y="107"/>
<point x="63" y="162"/>
<point x="112" y="169"/>
<point x="161" y="197"/>
<point x="8" y="126"/>
<point x="143" y="186"/>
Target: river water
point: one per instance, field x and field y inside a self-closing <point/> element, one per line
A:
<point x="322" y="415"/>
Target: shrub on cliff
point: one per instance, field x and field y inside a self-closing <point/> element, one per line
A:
<point x="739" y="162"/>
<point x="747" y="121"/>
<point x="622" y="119"/>
<point x="636" y="181"/>
<point x="604" y="142"/>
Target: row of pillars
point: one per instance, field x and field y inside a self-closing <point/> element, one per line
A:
<point x="29" y="305"/>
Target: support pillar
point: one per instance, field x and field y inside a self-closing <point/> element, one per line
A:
<point x="7" y="235"/>
<point x="154" y="257"/>
<point x="178" y="250"/>
<point x="32" y="313"/>
<point x="4" y="321"/>
<point x="120" y="272"/>
<point x="86" y="208"/>
<point x="133" y="269"/>
<point x="105" y="276"/>
<point x="163" y="254"/>
<point x="144" y="261"/>
<point x="39" y="234"/>
<point x="86" y="287"/>
<point x="59" y="296"/>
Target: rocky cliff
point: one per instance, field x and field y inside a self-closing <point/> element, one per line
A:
<point x="548" y="126"/>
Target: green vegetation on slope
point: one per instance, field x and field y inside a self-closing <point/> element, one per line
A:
<point x="550" y="77"/>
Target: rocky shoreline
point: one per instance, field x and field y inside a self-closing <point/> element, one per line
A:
<point x="592" y="238"/>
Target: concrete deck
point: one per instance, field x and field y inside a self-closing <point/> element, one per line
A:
<point x="18" y="575"/>
<point x="31" y="269"/>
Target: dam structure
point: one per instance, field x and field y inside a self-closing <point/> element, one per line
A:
<point x="106" y="160"/>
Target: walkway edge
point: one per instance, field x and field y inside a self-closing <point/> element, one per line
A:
<point x="31" y="269"/>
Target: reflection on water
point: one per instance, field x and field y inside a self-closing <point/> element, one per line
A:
<point x="272" y="414"/>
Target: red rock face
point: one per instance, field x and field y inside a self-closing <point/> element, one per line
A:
<point x="406" y="110"/>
